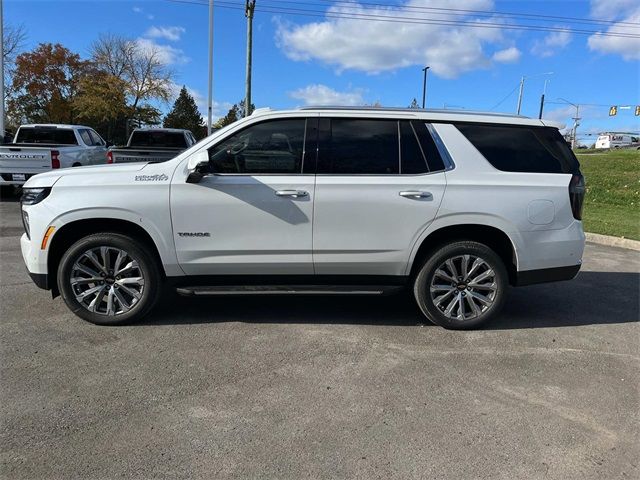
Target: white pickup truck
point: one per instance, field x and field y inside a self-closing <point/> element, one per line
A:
<point x="152" y="145"/>
<point x="40" y="148"/>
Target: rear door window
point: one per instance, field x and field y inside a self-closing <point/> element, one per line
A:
<point x="362" y="147"/>
<point x="522" y="149"/>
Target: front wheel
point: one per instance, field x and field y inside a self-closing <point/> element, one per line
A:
<point x="462" y="285"/>
<point x="109" y="279"/>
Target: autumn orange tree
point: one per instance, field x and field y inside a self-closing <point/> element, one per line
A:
<point x="45" y="84"/>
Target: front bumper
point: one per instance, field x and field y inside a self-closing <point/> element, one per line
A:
<point x="41" y="280"/>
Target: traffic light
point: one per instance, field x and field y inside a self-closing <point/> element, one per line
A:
<point x="637" y="110"/>
<point x="613" y="111"/>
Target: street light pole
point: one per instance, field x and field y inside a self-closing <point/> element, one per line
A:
<point x="1" y="73"/>
<point x="210" y="99"/>
<point x="544" y="91"/>
<point x="520" y="95"/>
<point x="249" y="8"/>
<point x="424" y="86"/>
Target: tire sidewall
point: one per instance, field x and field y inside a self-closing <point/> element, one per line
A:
<point x="147" y="265"/>
<point x="422" y="283"/>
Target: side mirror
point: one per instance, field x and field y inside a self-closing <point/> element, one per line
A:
<point x="194" y="165"/>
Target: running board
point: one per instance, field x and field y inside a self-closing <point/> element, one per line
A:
<point x="203" y="291"/>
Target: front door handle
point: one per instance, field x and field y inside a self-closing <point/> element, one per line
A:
<point x="292" y="193"/>
<point x="416" y="194"/>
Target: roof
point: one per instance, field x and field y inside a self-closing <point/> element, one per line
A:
<point x="434" y="115"/>
<point x="53" y="125"/>
<point x="160" y="129"/>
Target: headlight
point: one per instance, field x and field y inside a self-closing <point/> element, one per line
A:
<point x="31" y="196"/>
<point x="25" y="223"/>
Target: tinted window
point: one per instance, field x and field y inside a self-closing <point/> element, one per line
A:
<point x="436" y="164"/>
<point x="151" y="138"/>
<point x="522" y="149"/>
<point x="413" y="161"/>
<point x="354" y="146"/>
<point x="269" y="147"/>
<point x="58" y="136"/>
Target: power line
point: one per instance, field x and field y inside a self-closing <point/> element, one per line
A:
<point x="409" y="20"/>
<point x="505" y="98"/>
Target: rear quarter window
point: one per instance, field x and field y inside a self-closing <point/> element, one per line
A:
<point x="522" y="149"/>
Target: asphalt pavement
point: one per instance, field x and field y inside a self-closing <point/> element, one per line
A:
<point x="323" y="387"/>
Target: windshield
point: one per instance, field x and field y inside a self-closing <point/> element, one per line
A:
<point x="59" y="136"/>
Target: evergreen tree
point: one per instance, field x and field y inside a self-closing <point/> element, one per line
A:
<point x="414" y="104"/>
<point x="235" y="113"/>
<point x="185" y="114"/>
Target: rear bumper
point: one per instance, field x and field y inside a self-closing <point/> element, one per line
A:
<point x="545" y="275"/>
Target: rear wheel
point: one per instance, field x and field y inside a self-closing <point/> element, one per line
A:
<point x="109" y="279"/>
<point x="462" y="285"/>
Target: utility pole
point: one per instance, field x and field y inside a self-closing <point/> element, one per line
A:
<point x="520" y="95"/>
<point x="1" y="72"/>
<point x="424" y="86"/>
<point x="248" y="11"/>
<point x="210" y="97"/>
<point x="576" y="122"/>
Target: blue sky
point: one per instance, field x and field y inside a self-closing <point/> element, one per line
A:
<point x="309" y="60"/>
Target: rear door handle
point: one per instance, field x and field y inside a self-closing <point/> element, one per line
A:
<point x="416" y="194"/>
<point x="292" y="193"/>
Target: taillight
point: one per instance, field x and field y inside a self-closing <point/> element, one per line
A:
<point x="576" y="195"/>
<point x="55" y="159"/>
<point x="109" y="157"/>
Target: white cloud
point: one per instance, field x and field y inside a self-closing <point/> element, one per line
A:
<point x="168" y="33"/>
<point x="560" y="114"/>
<point x="508" y="55"/>
<point x="322" y="95"/>
<point x="551" y="44"/>
<point x="141" y="11"/>
<point x="623" y="11"/>
<point x="137" y="9"/>
<point x="166" y="53"/>
<point x="379" y="46"/>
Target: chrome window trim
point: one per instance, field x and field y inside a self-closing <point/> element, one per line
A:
<point x="442" y="150"/>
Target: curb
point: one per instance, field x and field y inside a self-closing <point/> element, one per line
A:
<point x="613" y="241"/>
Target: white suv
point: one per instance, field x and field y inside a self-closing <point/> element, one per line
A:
<point x="456" y="206"/>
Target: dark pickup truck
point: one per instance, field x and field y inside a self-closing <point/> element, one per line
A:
<point x="152" y="145"/>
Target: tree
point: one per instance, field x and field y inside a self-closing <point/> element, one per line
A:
<point x="185" y="114"/>
<point x="414" y="104"/>
<point x="45" y="83"/>
<point x="235" y="113"/>
<point x="12" y="42"/>
<point x="141" y="67"/>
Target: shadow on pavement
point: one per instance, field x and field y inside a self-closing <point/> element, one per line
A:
<point x="592" y="298"/>
<point x="10" y="194"/>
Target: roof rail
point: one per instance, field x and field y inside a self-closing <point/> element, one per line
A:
<point x="412" y="110"/>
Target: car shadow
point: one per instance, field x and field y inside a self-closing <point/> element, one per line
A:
<point x="590" y="299"/>
<point x="9" y="193"/>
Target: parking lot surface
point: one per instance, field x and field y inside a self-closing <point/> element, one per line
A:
<point x="323" y="387"/>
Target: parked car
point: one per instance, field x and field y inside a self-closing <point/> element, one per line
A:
<point x="317" y="201"/>
<point x="152" y="145"/>
<point x="40" y="148"/>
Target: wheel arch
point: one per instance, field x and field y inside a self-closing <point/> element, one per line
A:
<point x="494" y="237"/>
<point x="71" y="232"/>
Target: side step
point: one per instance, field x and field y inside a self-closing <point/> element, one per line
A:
<point x="203" y="291"/>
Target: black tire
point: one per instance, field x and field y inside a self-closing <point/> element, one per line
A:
<point x="461" y="292"/>
<point x="147" y="266"/>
